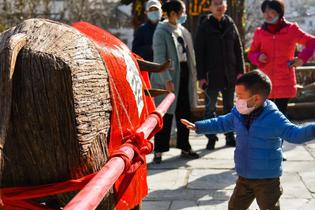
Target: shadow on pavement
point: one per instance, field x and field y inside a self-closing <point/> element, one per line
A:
<point x="207" y="190"/>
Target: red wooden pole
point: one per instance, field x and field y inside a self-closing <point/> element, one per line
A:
<point x="94" y="192"/>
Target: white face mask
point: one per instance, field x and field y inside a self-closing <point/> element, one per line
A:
<point x="241" y="106"/>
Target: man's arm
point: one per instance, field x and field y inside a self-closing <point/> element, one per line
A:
<point x="200" y="52"/>
<point x="137" y="42"/>
<point x="239" y="52"/>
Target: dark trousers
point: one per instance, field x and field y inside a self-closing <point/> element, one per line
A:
<point x="211" y="102"/>
<point x="282" y="104"/>
<point x="162" y="138"/>
<point x="266" y="191"/>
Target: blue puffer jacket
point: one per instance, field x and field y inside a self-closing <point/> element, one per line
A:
<point x="258" y="153"/>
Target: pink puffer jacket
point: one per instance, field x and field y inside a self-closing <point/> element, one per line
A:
<point x="279" y="49"/>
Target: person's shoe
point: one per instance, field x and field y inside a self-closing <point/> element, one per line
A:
<point x="157" y="159"/>
<point x="189" y="154"/>
<point x="210" y="145"/>
<point x="211" y="142"/>
<point x="230" y="140"/>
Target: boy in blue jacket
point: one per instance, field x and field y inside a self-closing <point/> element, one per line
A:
<point x="259" y="128"/>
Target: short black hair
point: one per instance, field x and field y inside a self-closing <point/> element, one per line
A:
<point x="276" y="5"/>
<point x="172" y="5"/>
<point x="256" y="82"/>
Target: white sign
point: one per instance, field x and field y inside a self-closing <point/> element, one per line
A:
<point x="133" y="78"/>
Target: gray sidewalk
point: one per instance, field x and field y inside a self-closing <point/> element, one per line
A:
<point x="208" y="182"/>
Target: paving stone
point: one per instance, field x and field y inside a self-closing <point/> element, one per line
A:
<point x="167" y="179"/>
<point x="216" y="195"/>
<point x="213" y="205"/>
<point x="308" y="179"/>
<point x="211" y="163"/>
<point x="310" y="145"/>
<point x="296" y="152"/>
<point x="170" y="163"/>
<point x="211" y="179"/>
<point x="178" y="194"/>
<point x="310" y="205"/>
<point x="293" y="204"/>
<point x="222" y="194"/>
<point x="156" y="205"/>
<point x="285" y="204"/>
<point x="298" y="166"/>
<point x="312" y="152"/>
<point x="181" y="163"/>
<point x="223" y="153"/>
<point x="184" y="205"/>
<point x="293" y="187"/>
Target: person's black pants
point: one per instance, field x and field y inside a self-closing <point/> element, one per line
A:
<point x="162" y="138"/>
<point x="211" y="102"/>
<point x="282" y="104"/>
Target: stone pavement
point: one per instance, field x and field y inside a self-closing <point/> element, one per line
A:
<point x="207" y="183"/>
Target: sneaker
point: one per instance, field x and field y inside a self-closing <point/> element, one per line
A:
<point x="230" y="140"/>
<point x="189" y="154"/>
<point x="211" y="142"/>
<point x="157" y="159"/>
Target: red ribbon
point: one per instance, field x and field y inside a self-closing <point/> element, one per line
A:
<point x="141" y="147"/>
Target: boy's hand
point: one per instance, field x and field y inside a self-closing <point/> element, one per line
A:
<point x="188" y="124"/>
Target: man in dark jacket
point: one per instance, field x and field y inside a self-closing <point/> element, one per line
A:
<point x="219" y="57"/>
<point x="142" y="43"/>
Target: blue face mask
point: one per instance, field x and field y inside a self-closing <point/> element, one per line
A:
<point x="182" y="19"/>
<point x="273" y="21"/>
<point x="154" y="16"/>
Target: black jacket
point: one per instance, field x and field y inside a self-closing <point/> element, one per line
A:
<point x="219" y="52"/>
<point x="142" y="42"/>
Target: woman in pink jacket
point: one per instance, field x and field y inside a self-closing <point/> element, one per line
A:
<point x="273" y="48"/>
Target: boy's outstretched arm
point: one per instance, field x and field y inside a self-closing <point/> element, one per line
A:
<point x="297" y="134"/>
<point x="189" y="125"/>
<point x="221" y="124"/>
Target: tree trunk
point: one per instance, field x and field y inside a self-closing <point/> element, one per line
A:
<point x="60" y="112"/>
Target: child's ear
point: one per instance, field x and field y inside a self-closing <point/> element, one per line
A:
<point x="259" y="99"/>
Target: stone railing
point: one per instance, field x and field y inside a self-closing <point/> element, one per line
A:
<point x="303" y="106"/>
<point x="305" y="75"/>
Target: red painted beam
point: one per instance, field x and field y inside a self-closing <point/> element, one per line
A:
<point x="94" y="192"/>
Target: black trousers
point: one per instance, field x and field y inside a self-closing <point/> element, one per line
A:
<point x="211" y="102"/>
<point x="282" y="104"/>
<point x="162" y="138"/>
